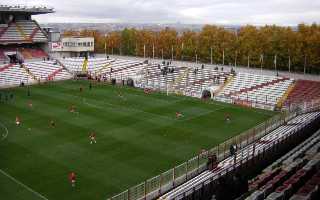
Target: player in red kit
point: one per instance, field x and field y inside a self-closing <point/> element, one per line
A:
<point x="147" y="91"/>
<point x="30" y="104"/>
<point x="227" y="118"/>
<point x="72" y="179"/>
<point x="52" y="124"/>
<point x="18" y="122"/>
<point x="92" y="138"/>
<point x="178" y="115"/>
<point x="72" y="109"/>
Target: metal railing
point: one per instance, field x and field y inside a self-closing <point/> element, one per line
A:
<point x="306" y="106"/>
<point x="266" y="105"/>
<point x="238" y="162"/>
<point x="166" y="181"/>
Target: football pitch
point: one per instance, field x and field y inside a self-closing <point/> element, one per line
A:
<point x="138" y="137"/>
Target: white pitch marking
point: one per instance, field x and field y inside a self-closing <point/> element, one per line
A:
<point x="126" y="108"/>
<point x="23" y="185"/>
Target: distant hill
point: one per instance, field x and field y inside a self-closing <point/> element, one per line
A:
<point x="108" y="27"/>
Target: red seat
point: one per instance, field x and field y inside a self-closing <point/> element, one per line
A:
<point x="304" y="90"/>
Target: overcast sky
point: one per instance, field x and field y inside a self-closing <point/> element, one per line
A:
<point x="238" y="12"/>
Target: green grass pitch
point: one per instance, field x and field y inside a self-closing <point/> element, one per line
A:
<point x="138" y="137"/>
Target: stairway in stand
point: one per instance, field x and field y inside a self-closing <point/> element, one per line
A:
<point x="6" y="67"/>
<point x="229" y="80"/>
<point x="51" y="76"/>
<point x="85" y="66"/>
<point x="21" y="31"/>
<point x="34" y="32"/>
<point x="3" y="30"/>
<point x="282" y="100"/>
<point x="245" y="90"/>
<point x="108" y="65"/>
<point x="30" y="73"/>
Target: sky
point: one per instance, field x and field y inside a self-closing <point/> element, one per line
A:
<point x="226" y="12"/>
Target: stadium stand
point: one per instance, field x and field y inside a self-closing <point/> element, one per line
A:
<point x="260" y="91"/>
<point x="203" y="78"/>
<point x="60" y="74"/>
<point x="292" y="176"/>
<point x="295" y="175"/>
<point x="182" y="80"/>
<point x="303" y="90"/>
<point x="310" y="190"/>
<point x="14" y="75"/>
<point x="76" y="64"/>
<point x="101" y="66"/>
<point x="5" y="67"/>
<point x="256" y="89"/>
<point x="21" y="43"/>
<point x="25" y="52"/>
<point x="248" y="152"/>
<point x="125" y="71"/>
<point x="22" y="31"/>
<point x="31" y="73"/>
<point x="47" y="70"/>
<point x="2" y="56"/>
<point x="33" y="53"/>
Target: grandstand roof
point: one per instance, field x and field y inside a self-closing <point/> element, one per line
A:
<point x="33" y="10"/>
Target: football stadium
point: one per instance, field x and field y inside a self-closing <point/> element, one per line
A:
<point x="78" y="125"/>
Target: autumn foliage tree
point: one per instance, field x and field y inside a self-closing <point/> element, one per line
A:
<point x="294" y="49"/>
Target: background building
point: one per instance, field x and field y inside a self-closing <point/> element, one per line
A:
<point x="72" y="46"/>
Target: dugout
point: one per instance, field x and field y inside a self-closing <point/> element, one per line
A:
<point x="130" y="82"/>
<point x="206" y="94"/>
<point x="81" y="76"/>
<point x="113" y="81"/>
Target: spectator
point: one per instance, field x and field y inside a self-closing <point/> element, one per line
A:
<point x="232" y="150"/>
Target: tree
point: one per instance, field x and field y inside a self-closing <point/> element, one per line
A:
<point x="298" y="47"/>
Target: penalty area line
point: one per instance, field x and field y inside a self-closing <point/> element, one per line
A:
<point x="23" y="185"/>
